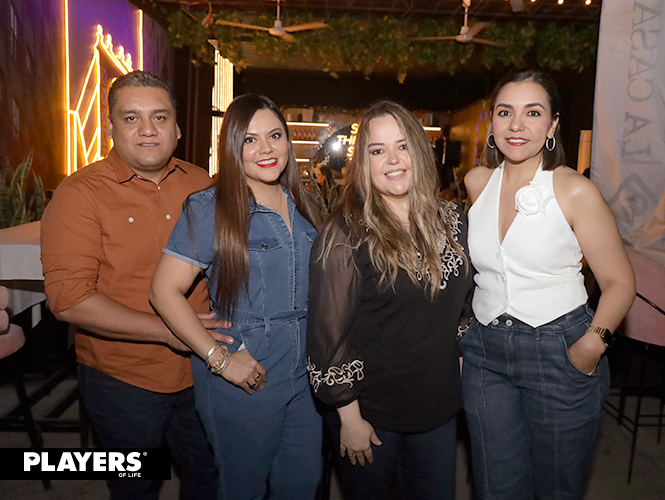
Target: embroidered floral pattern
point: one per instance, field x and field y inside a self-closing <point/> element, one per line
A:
<point x="346" y="374"/>
<point x="462" y="329"/>
<point x="450" y="259"/>
<point x="533" y="198"/>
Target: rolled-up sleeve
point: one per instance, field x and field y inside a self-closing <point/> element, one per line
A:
<point x="335" y="369"/>
<point x="71" y="247"/>
<point x="193" y="237"/>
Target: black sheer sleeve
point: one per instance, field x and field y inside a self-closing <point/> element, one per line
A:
<point x="335" y="369"/>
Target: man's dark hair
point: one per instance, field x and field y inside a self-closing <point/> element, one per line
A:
<point x="139" y="79"/>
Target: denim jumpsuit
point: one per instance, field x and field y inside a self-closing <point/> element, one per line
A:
<point x="270" y="440"/>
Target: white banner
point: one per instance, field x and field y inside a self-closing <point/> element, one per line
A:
<point x="628" y="152"/>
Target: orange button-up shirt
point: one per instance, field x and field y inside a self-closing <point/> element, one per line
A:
<point x="103" y="232"/>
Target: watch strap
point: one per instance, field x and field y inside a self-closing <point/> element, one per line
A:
<point x="606" y="335"/>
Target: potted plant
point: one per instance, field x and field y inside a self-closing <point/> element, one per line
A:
<point x="18" y="204"/>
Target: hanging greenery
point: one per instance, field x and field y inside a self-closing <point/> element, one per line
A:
<point x="349" y="44"/>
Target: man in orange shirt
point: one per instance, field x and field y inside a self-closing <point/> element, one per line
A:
<point x="102" y="236"/>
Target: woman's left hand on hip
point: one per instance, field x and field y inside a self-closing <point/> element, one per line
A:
<point x="585" y="354"/>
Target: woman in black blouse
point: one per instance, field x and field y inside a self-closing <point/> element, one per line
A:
<point x="388" y="281"/>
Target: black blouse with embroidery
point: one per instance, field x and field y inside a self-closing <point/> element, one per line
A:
<point x="393" y="350"/>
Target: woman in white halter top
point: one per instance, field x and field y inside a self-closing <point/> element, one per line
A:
<point x="534" y="377"/>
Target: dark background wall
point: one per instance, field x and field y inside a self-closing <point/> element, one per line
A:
<point x="434" y="92"/>
<point x="32" y="108"/>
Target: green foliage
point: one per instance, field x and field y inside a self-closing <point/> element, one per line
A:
<point x="349" y="44"/>
<point x="15" y="205"/>
<point x="325" y="194"/>
<point x="574" y="48"/>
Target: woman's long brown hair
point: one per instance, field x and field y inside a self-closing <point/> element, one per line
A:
<point x="232" y="210"/>
<point x="369" y="219"/>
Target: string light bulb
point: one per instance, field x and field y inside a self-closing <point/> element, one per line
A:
<point x="587" y="2"/>
<point x="560" y="2"/>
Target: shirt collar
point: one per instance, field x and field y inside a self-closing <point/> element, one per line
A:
<point x="125" y="173"/>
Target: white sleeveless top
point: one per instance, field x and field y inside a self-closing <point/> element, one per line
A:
<point x="535" y="274"/>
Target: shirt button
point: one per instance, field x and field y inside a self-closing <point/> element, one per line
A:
<point x="159" y="188"/>
<point x="131" y="219"/>
<point x="504" y="302"/>
<point x="168" y="216"/>
<point x="509" y="322"/>
<point x="502" y="278"/>
<point x="495" y="322"/>
<point x="498" y="255"/>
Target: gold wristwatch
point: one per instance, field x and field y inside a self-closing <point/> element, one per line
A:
<point x="606" y="335"/>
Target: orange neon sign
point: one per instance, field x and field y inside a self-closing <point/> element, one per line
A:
<point x="84" y="120"/>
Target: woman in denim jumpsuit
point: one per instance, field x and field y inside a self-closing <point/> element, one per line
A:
<point x="259" y="414"/>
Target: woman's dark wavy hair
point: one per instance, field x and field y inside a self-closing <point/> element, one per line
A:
<point x="551" y="159"/>
<point x="232" y="210"/>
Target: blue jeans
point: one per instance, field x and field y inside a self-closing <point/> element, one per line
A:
<point x="125" y="416"/>
<point x="422" y="464"/>
<point x="267" y="442"/>
<point x="532" y="415"/>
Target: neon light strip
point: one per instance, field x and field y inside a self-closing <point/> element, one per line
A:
<point x="140" y="38"/>
<point x="306" y="142"/>
<point x="121" y="60"/>
<point x="432" y="129"/>
<point x="68" y="124"/>
<point x="222" y="95"/>
<point x="91" y="89"/>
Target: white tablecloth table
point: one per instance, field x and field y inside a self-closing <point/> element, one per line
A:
<point x="21" y="269"/>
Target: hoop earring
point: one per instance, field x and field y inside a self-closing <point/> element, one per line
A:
<point x="547" y="143"/>
<point x="490" y="141"/>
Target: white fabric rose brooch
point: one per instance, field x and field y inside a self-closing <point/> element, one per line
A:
<point x="533" y="198"/>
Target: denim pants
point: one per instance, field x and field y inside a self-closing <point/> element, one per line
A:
<point x="265" y="443"/>
<point x="421" y="464"/>
<point x="125" y="416"/>
<point x="532" y="415"/>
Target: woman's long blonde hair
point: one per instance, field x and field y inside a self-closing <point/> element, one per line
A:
<point x="369" y="219"/>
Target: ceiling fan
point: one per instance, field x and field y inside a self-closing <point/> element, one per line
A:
<point x="517" y="5"/>
<point x="466" y="34"/>
<point x="277" y="30"/>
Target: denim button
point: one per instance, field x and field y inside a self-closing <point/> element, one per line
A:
<point x="264" y="246"/>
<point x="495" y="322"/>
<point x="509" y="322"/>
